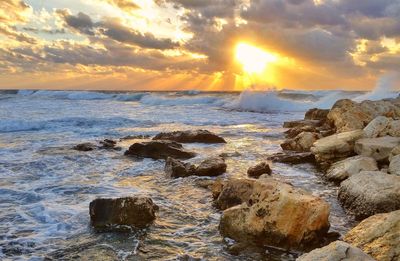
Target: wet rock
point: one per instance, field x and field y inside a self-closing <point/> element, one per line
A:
<point x="259" y="169"/>
<point x="159" y="150"/>
<point x="338" y="146"/>
<point x="343" y="169"/>
<point x="347" y="115"/>
<point x="211" y="167"/>
<point x="378" y="236"/>
<point x="269" y="212"/>
<point x="85" y="146"/>
<point x="135" y="137"/>
<point x="175" y="168"/>
<point x="230" y="154"/>
<point x="202" y="136"/>
<point x="109" y="145"/>
<point x="316" y="114"/>
<point x="394" y="166"/>
<point x="302" y="123"/>
<point x="293" y="132"/>
<point x="336" y="251"/>
<point x="376" y="127"/>
<point x="370" y="192"/>
<point x="293" y="157"/>
<point x="377" y="148"/>
<point x="117" y="214"/>
<point x="302" y="142"/>
<point x="217" y="187"/>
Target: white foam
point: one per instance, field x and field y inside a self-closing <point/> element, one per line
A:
<point x="385" y="88"/>
<point x="181" y="100"/>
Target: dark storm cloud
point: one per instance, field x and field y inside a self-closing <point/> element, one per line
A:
<point x="81" y="22"/>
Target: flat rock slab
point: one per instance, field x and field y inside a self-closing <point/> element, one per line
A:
<point x="336" y="251"/>
<point x="292" y="157"/>
<point x="301" y="123"/>
<point x="159" y="149"/>
<point x="343" y="169"/>
<point x="201" y="136"/>
<point x="117" y="214"/>
<point x="210" y="167"/>
<point x="377" y="148"/>
<point x="378" y="236"/>
<point x="370" y="192"/>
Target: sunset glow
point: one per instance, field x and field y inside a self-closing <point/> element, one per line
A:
<point x="253" y="59"/>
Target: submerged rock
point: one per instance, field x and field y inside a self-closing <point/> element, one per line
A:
<point x="211" y="167"/>
<point x="202" y="136"/>
<point x="378" y="236"/>
<point x="117" y="214"/>
<point x="377" y="148"/>
<point x="370" y="192"/>
<point x="302" y="142"/>
<point x="258" y="170"/>
<point x="269" y="212"/>
<point x="159" y="150"/>
<point x="343" y="169"/>
<point x="292" y="157"/>
<point x="84" y="147"/>
<point x="336" y="251"/>
<point x="175" y="168"/>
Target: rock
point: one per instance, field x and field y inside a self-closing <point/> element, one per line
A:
<point x="135" y="137"/>
<point x="302" y="142"/>
<point x="316" y="114"/>
<point x="84" y="147"/>
<point x="293" y="157"/>
<point x="395" y="151"/>
<point x="301" y="123"/>
<point x="394" y="166"/>
<point x="230" y="154"/>
<point x="393" y="129"/>
<point x="109" y="144"/>
<point x="334" y="147"/>
<point x="217" y="187"/>
<point x="378" y="236"/>
<point x="347" y="115"/>
<point x="293" y="132"/>
<point x="211" y="167"/>
<point x="114" y="214"/>
<point x="377" y="148"/>
<point x="159" y="150"/>
<point x="376" y="127"/>
<point x="175" y="168"/>
<point x="370" y="192"/>
<point x="259" y="169"/>
<point x="271" y="213"/>
<point x="336" y="251"/>
<point x="343" y="169"/>
<point x="202" y="136"/>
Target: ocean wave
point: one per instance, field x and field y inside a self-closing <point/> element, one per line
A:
<point x="181" y="100"/>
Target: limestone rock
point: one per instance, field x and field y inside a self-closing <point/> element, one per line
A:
<point x="395" y="151"/>
<point x="292" y="157"/>
<point x="84" y="147"/>
<point x="211" y="167"/>
<point x="370" y="192"/>
<point x="377" y="148"/>
<point x="259" y="169"/>
<point x="393" y="129"/>
<point x="302" y="142"/>
<point x="302" y="123"/>
<point x="175" y="168"/>
<point x="394" y="166"/>
<point x="159" y="150"/>
<point x="378" y="236"/>
<point x="376" y="127"/>
<point x="316" y="114"/>
<point x="201" y="136"/>
<point x="343" y="169"/>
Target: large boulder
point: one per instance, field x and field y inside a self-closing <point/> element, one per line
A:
<point x="335" y="147"/>
<point x="343" y="169"/>
<point x="394" y="166"/>
<point x="258" y="170"/>
<point x="377" y="148"/>
<point x="176" y="169"/>
<point x="336" y="251"/>
<point x="302" y="142"/>
<point x="376" y="127"/>
<point x="211" y="167"/>
<point x="201" y="136"/>
<point x="378" y="236"/>
<point x="316" y="114"/>
<point x="120" y="213"/>
<point x="290" y="157"/>
<point x="269" y="212"/>
<point x="159" y="150"/>
<point x="347" y="115"/>
<point x="370" y="192"/>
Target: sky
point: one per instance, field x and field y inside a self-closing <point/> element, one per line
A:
<point x="211" y="45"/>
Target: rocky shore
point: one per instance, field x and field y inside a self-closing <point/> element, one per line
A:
<point x="355" y="145"/>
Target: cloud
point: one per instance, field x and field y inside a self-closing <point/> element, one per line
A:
<point x="81" y="22"/>
<point x="13" y="11"/>
<point x="127" y="5"/>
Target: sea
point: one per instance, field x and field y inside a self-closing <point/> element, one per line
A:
<point x="46" y="186"/>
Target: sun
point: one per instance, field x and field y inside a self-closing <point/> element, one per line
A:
<point x="253" y="59"/>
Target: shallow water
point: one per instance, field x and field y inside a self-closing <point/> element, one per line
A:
<point x="45" y="187"/>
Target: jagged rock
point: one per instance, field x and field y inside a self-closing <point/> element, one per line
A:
<point x="376" y="127"/>
<point x="119" y="213"/>
<point x="378" y="236"/>
<point x="335" y="147"/>
<point x="159" y="150"/>
<point x="370" y="192"/>
<point x="109" y="144"/>
<point x="394" y="166"/>
<point x="336" y="251"/>
<point x="302" y="142"/>
<point x="347" y="115"/>
<point x="269" y="212"/>
<point x="377" y="148"/>
<point x="202" y="136"/>
<point x="343" y="169"/>
<point x="316" y="114"/>
<point x="393" y="129"/>
<point x="293" y="132"/>
<point x="302" y="123"/>
<point x="84" y="147"/>
<point x="175" y="168"/>
<point x="293" y="157"/>
<point x="211" y="167"/>
<point x="259" y="169"/>
<point x="395" y="151"/>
